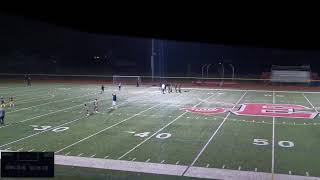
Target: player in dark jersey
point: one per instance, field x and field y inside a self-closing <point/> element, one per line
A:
<point x="179" y="88"/>
<point x="11" y="102"/>
<point x="95" y="105"/>
<point x="102" y="89"/>
<point x="86" y="109"/>
<point x="2" y="103"/>
<point x="2" y="115"/>
<point x="29" y="80"/>
<point x="119" y="86"/>
<point x="114" y="100"/>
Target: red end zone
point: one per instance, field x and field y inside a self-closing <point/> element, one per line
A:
<point x="275" y="110"/>
<point x="261" y="109"/>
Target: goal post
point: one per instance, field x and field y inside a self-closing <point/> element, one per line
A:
<point x="132" y="80"/>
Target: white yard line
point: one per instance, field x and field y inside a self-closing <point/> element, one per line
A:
<point x="310" y="103"/>
<point x="46" y="130"/>
<point x="39" y="99"/>
<point x="273" y="128"/>
<point x="161" y="129"/>
<point x="49" y="129"/>
<point x="106" y="128"/>
<point x="215" y="132"/>
<point x="61" y="100"/>
<point x="53" y="112"/>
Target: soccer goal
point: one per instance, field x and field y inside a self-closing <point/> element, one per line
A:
<point x="126" y="79"/>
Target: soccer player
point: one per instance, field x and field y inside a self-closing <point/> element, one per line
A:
<point x="175" y="87"/>
<point x="95" y="105"/>
<point x="26" y="79"/>
<point x="179" y="88"/>
<point x="114" y="100"/>
<point x="29" y="80"/>
<point x="2" y="103"/>
<point x="86" y="109"/>
<point x="119" y="86"/>
<point x="11" y="102"/>
<point x="163" y="87"/>
<point x="168" y="85"/>
<point x="102" y="89"/>
<point x="2" y="114"/>
<point x="137" y="83"/>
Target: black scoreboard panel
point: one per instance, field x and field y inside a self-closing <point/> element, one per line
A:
<point x="27" y="164"/>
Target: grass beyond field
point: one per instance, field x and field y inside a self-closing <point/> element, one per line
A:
<point x="149" y="126"/>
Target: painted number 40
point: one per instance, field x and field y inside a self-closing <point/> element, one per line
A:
<point x="264" y="142"/>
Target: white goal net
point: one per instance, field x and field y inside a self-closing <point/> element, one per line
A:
<point x="133" y="80"/>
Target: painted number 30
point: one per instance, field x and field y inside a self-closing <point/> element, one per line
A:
<point x="159" y="136"/>
<point x="43" y="128"/>
<point x="264" y="142"/>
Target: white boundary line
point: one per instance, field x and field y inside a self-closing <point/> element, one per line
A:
<point x="310" y="103"/>
<point x="249" y="90"/>
<point x="171" y="169"/>
<point x="162" y="128"/>
<point x="273" y="132"/>
<point x="215" y="132"/>
<point x="106" y="128"/>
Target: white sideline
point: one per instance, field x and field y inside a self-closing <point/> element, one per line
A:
<point x="250" y="90"/>
<point x="170" y="169"/>
<point x="162" y="128"/>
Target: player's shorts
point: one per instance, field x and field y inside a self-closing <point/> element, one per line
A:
<point x="2" y="102"/>
<point x="114" y="103"/>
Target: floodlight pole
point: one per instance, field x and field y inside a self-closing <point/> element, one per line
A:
<point x="232" y="71"/>
<point x="208" y="69"/>
<point x="152" y="59"/>
<point x="202" y="70"/>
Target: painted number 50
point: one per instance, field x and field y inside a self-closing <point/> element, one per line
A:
<point x="264" y="142"/>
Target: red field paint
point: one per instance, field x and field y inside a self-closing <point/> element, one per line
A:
<point x="261" y="109"/>
<point x="275" y="110"/>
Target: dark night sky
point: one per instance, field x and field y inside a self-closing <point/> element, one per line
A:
<point x="24" y="40"/>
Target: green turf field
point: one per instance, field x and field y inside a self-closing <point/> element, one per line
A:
<point x="149" y="126"/>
